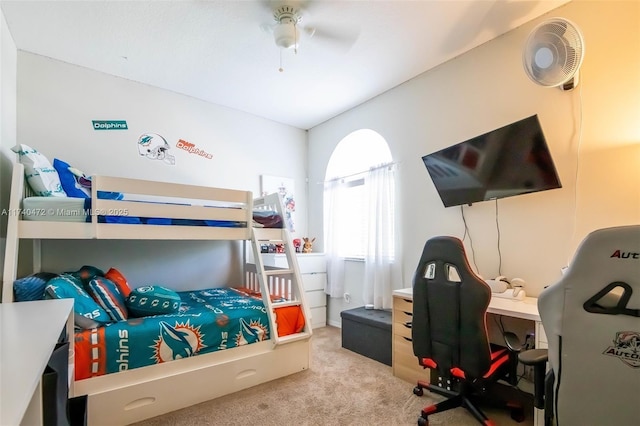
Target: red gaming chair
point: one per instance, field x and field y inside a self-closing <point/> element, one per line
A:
<point x="449" y="332"/>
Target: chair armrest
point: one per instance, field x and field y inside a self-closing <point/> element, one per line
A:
<point x="534" y="357"/>
<point x="538" y="359"/>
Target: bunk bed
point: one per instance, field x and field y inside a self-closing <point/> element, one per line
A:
<point x="177" y="212"/>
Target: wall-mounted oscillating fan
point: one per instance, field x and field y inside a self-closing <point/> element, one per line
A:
<point x="553" y="54"/>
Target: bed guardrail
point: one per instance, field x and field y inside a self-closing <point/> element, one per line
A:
<point x="277" y="285"/>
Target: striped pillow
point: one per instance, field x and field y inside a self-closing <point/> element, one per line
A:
<point x="108" y="296"/>
<point x="116" y="277"/>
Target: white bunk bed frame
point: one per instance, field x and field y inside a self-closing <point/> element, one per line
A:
<point x="138" y="394"/>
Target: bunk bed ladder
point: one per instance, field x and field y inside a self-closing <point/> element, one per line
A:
<point x="288" y="279"/>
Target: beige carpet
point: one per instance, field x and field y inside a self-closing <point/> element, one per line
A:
<point x="340" y="388"/>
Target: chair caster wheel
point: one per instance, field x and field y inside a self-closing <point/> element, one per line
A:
<point x="418" y="391"/>
<point x="517" y="414"/>
<point x="422" y="421"/>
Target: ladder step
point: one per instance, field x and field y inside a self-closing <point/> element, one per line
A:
<point x="293" y="337"/>
<point x="270" y="234"/>
<point x="287" y="303"/>
<point x="278" y="271"/>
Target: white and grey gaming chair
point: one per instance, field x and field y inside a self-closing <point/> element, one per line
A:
<point x="592" y="321"/>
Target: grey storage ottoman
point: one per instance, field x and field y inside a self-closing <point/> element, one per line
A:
<point x="367" y="332"/>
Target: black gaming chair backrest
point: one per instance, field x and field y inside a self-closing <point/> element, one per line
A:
<point x="449" y="309"/>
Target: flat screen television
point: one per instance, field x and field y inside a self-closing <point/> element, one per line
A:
<point x="512" y="160"/>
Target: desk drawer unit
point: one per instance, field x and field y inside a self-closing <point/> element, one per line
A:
<point x="404" y="363"/>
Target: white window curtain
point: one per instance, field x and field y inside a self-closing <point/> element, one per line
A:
<point x="334" y="230"/>
<point x="382" y="270"/>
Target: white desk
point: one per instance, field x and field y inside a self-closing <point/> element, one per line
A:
<point x="28" y="334"/>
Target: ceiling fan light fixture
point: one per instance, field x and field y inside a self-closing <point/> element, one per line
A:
<point x="285" y="35"/>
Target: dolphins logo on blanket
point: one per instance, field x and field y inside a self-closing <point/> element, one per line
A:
<point x="251" y="332"/>
<point x="178" y="341"/>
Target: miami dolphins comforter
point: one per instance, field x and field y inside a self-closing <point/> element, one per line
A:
<point x="208" y="320"/>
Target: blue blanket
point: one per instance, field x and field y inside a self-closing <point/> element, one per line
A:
<point x="208" y="320"/>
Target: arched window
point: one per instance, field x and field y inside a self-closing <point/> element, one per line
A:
<point x="350" y="161"/>
<point x="356" y="153"/>
<point x="359" y="214"/>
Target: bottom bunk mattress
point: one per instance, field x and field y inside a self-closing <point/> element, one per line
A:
<point x="208" y="321"/>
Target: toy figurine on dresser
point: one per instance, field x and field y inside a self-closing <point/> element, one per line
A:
<point x="308" y="245"/>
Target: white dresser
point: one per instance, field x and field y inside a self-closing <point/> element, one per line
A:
<point x="313" y="269"/>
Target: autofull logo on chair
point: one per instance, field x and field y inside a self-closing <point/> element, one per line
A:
<point x="626" y="347"/>
<point x="625" y="255"/>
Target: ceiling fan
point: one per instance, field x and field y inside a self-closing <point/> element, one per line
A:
<point x="288" y="29"/>
<point x="287" y="26"/>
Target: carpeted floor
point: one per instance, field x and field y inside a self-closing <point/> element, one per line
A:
<point x="340" y="388"/>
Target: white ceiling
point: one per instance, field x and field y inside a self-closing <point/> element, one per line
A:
<point x="218" y="51"/>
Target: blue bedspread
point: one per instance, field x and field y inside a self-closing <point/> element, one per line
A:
<point x="208" y="321"/>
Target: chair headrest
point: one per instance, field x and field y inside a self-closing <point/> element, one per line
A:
<point x="448" y="250"/>
<point x="606" y="256"/>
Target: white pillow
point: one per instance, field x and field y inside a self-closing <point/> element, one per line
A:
<point x="40" y="174"/>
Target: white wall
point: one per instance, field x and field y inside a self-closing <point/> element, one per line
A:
<point x="487" y="88"/>
<point x="57" y="101"/>
<point x="55" y="105"/>
<point x="8" y="55"/>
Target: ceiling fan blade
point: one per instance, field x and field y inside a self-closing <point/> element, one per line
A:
<point x="270" y="5"/>
<point x="341" y="37"/>
<point x="268" y="27"/>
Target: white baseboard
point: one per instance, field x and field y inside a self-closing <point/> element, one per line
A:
<point x="334" y="323"/>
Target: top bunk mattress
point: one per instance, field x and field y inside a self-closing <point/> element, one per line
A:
<point x="68" y="209"/>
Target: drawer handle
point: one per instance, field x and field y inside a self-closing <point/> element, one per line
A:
<point x="408" y="300"/>
<point x="407" y="324"/>
<point x="408" y="313"/>
<point x="407" y="339"/>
